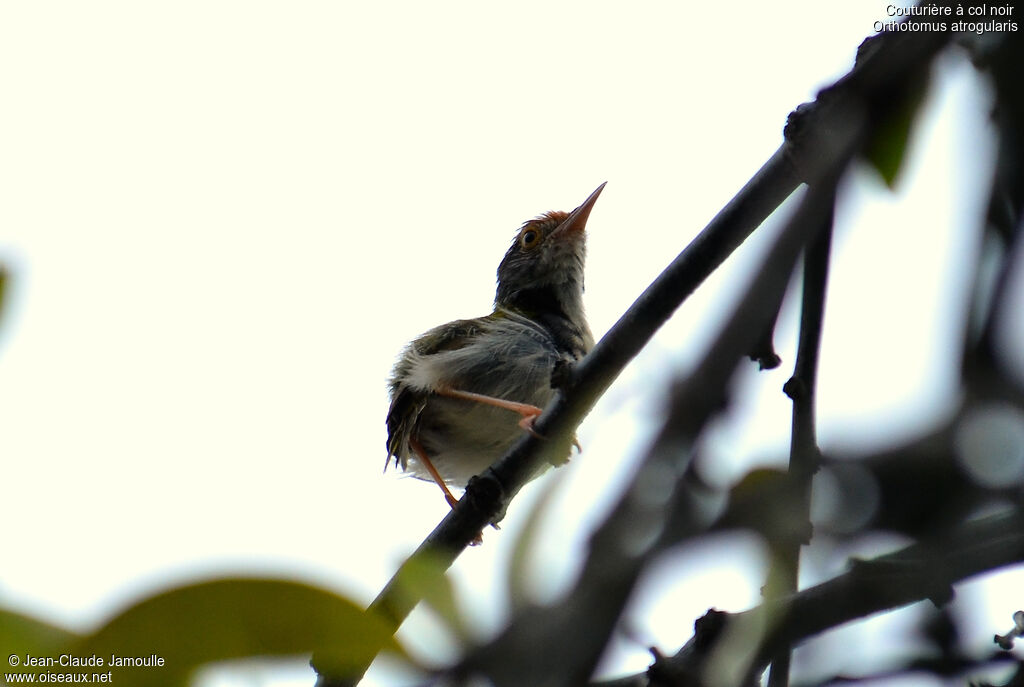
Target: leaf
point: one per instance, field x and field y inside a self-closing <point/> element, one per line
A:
<point x="171" y="633"/>
<point x="423" y="577"/>
<point x="522" y="549"/>
<point x="22" y="635"/>
<point x="887" y="147"/>
<point x="5" y="280"/>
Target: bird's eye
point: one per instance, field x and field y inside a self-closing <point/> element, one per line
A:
<point x="528" y="239"/>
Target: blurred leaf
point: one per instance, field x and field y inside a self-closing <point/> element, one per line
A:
<point x="522" y="550"/>
<point x="887" y="148"/>
<point x="765" y="500"/>
<point x="236" y="618"/>
<point x="423" y="577"/>
<point x="23" y="635"/>
<point x="5" y="278"/>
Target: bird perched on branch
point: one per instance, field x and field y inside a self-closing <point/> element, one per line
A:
<point x="457" y="390"/>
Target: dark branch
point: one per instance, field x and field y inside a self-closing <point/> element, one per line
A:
<point x="925" y="570"/>
<point x="804" y="457"/>
<point x="948" y="668"/>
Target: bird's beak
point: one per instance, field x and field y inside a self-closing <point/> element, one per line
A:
<point x="576" y="222"/>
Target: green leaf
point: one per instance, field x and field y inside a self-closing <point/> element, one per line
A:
<point x="423" y="577"/>
<point x="887" y="147"/>
<point x="5" y="282"/>
<point x="21" y="635"/>
<point x="174" y="632"/>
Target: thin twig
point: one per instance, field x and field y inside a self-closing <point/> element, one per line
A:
<point x="804" y="457"/>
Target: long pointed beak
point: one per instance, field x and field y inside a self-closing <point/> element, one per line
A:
<point x="577" y="219"/>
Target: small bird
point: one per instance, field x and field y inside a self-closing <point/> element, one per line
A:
<point x="457" y="389"/>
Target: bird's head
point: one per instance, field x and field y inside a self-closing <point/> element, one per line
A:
<point x="542" y="272"/>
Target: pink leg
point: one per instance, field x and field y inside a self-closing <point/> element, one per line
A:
<point x="529" y="412"/>
<point x="429" y="465"/>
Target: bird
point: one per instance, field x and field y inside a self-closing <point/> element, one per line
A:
<point x="463" y="392"/>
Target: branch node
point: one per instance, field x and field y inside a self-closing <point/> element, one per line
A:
<point x="765" y="359"/>
<point x="664" y="672"/>
<point x="708" y="627"/>
<point x="795" y="388"/>
<point x="1006" y="641"/>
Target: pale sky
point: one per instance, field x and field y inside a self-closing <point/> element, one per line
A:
<point x="225" y="219"/>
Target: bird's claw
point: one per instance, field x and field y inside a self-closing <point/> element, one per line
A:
<point x="527" y="424"/>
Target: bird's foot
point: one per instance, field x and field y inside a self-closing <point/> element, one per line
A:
<point x="529" y="419"/>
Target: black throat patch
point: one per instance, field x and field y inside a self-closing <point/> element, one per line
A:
<point x="542" y="305"/>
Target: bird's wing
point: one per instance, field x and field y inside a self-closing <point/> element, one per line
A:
<point x="408" y="402"/>
<point x="450" y="337"/>
<point x="406" y="405"/>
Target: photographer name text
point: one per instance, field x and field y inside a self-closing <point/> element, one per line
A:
<point x="93" y="661"/>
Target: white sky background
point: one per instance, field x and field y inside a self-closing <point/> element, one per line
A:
<point x="225" y="219"/>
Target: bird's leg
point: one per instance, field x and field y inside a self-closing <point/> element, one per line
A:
<point x="429" y="465"/>
<point x="529" y="412"/>
<point x="421" y="453"/>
